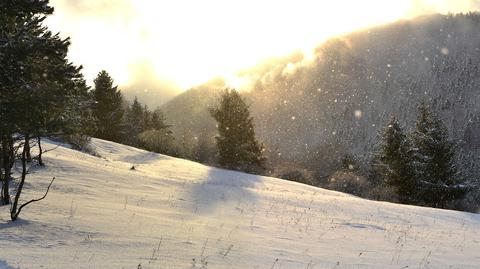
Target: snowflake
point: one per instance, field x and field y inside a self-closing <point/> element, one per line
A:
<point x="358" y="113"/>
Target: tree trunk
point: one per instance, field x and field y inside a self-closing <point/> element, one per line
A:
<point x="27" y="148"/>
<point x="13" y="209"/>
<point x="2" y="177"/>
<point x="5" y="187"/>
<point x="40" y="151"/>
<point x="6" y="164"/>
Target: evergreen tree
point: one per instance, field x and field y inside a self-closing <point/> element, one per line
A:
<point x="41" y="92"/>
<point x="22" y="42"/>
<point x="108" y="108"/>
<point x="157" y="121"/>
<point x="135" y="123"/>
<point x="394" y="161"/>
<point x="147" y="118"/>
<point x="434" y="160"/>
<point x="237" y="147"/>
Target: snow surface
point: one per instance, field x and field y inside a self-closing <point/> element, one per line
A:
<point x="172" y="213"/>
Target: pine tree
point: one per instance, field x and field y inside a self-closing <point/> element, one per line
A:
<point x="108" y="108"/>
<point x="21" y="41"/>
<point x="394" y="161"/>
<point x="434" y="160"/>
<point x="41" y="92"/>
<point x="238" y="149"/>
<point x="135" y="123"/>
<point x="157" y="121"/>
<point x="147" y="118"/>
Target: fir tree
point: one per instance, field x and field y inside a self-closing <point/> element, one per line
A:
<point x="135" y="124"/>
<point x="147" y="118"/>
<point x="394" y="161"/>
<point x="158" y="120"/>
<point x="108" y="108"/>
<point x="434" y="160"/>
<point x="237" y="147"/>
<point x="41" y="92"/>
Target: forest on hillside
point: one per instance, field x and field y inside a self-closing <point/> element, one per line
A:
<point x="312" y="115"/>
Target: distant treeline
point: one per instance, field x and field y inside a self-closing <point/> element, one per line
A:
<point x="314" y="116"/>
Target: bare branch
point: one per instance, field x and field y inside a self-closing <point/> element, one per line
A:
<point x="48" y="150"/>
<point x="35" y="200"/>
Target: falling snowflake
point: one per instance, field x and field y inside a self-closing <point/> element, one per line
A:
<point x="358" y="113"/>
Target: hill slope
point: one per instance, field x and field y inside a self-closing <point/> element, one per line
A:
<point x="353" y="85"/>
<point x="172" y="213"/>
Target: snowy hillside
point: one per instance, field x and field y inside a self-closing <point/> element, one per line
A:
<point x="172" y="213"/>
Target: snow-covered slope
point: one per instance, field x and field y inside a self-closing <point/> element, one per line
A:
<point x="172" y="213"/>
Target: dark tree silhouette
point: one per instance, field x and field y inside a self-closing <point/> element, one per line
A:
<point x="394" y="161"/>
<point x="434" y="160"/>
<point x="108" y="108"/>
<point x="237" y="147"/>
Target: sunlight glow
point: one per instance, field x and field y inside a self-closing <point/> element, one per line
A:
<point x="189" y="42"/>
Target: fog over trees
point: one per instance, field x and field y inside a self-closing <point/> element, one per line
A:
<point x="335" y="105"/>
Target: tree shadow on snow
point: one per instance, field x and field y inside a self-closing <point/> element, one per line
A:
<point x="143" y="158"/>
<point x="222" y="187"/>
<point x="5" y="265"/>
<point x="5" y="224"/>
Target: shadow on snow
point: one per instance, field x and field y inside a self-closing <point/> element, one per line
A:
<point x="222" y="187"/>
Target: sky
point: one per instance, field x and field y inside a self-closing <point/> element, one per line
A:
<point x="173" y="45"/>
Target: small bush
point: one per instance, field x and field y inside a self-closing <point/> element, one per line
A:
<point x="81" y="143"/>
<point x="291" y="172"/>
<point x="383" y="192"/>
<point x="349" y="182"/>
<point x="299" y="175"/>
